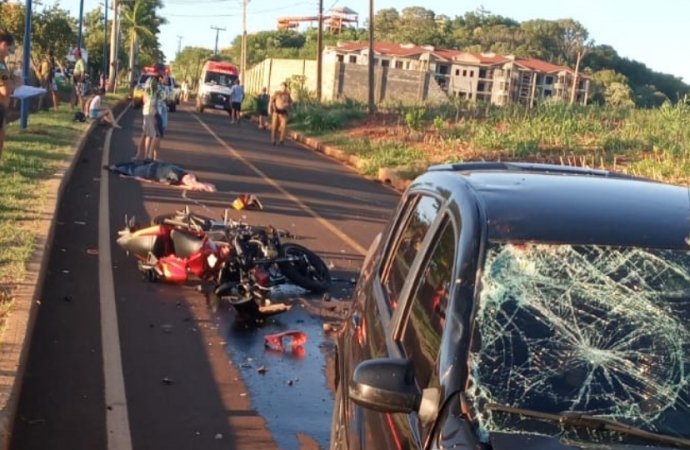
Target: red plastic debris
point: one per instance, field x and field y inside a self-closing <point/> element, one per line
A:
<point x="275" y="341"/>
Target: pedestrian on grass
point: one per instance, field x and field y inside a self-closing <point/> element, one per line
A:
<point x="262" y="102"/>
<point x="79" y="78"/>
<point x="279" y="107"/>
<point x="8" y="81"/>
<point x="98" y="111"/>
<point x="236" y="97"/>
<point x="47" y="76"/>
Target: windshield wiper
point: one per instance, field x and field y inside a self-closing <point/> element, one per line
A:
<point x="593" y="422"/>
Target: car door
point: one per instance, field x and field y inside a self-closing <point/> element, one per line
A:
<point x="374" y="430"/>
<point x="422" y="322"/>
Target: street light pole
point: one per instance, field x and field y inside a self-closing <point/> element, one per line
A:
<point x="243" y="62"/>
<point x="372" y="100"/>
<point x="114" y="48"/>
<point x="81" y="24"/>
<point x="105" y="46"/>
<point x="26" y="65"/>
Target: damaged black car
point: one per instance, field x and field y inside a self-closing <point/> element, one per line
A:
<point x="521" y="306"/>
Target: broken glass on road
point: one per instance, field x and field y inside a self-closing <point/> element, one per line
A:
<point x="597" y="330"/>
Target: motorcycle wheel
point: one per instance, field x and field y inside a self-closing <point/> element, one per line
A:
<point x="248" y="311"/>
<point x="313" y="276"/>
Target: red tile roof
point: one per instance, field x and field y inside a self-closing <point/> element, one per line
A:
<point x="383" y="48"/>
<point x="446" y="53"/>
<point x="539" y="65"/>
<point x="405" y="50"/>
<point x="488" y="59"/>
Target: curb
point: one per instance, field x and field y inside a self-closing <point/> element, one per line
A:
<point x="388" y="176"/>
<point x="16" y="340"/>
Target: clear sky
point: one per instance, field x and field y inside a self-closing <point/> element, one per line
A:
<point x="653" y="32"/>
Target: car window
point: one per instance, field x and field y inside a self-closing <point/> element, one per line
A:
<point x="410" y="240"/>
<point x="421" y="338"/>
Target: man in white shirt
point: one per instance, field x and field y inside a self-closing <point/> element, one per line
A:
<point x="236" y="97"/>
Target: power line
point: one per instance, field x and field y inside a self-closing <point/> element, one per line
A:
<point x="239" y="14"/>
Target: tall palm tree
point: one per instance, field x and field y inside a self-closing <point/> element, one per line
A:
<point x="139" y="22"/>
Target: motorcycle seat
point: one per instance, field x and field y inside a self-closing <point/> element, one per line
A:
<point x="186" y="244"/>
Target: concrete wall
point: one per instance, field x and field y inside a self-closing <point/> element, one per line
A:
<point x="344" y="80"/>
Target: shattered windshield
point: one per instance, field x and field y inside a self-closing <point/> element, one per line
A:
<point x="597" y="330"/>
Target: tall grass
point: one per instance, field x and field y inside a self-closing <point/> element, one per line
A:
<point x="648" y="142"/>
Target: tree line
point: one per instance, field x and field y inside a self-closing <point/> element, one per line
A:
<point x="54" y="28"/>
<point x="617" y="80"/>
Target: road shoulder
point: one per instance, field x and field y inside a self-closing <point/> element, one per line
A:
<point x="16" y="338"/>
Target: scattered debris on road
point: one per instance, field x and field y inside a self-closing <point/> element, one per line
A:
<point x="275" y="341"/>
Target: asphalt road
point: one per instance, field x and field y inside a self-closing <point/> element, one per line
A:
<point x="188" y="379"/>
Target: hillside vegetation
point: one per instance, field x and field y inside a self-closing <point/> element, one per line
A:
<point x="618" y="81"/>
<point x="638" y="121"/>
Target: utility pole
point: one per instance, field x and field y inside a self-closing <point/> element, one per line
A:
<point x="114" y="47"/>
<point x="117" y="43"/>
<point x="580" y="55"/>
<point x="243" y="63"/>
<point x="319" y="54"/>
<point x="105" y="45"/>
<point x="179" y="45"/>
<point x="81" y="25"/>
<point x="372" y="101"/>
<point x="218" y="29"/>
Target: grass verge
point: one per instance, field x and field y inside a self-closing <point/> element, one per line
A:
<point x="651" y="143"/>
<point x="30" y="157"/>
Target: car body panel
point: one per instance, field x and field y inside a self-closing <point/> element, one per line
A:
<point x="486" y="203"/>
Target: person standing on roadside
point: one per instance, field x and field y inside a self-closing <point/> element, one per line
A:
<point x="8" y="81"/>
<point x="150" y="123"/>
<point x="262" y="108"/>
<point x="47" y="77"/>
<point x="236" y="97"/>
<point x="78" y="76"/>
<point x="165" y="92"/>
<point x="278" y="109"/>
<point x="185" y="91"/>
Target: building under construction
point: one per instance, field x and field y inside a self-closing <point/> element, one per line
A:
<point x="334" y="22"/>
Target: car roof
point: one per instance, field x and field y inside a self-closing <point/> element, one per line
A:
<point x="561" y="204"/>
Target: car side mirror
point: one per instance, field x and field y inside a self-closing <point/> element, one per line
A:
<point x="385" y="385"/>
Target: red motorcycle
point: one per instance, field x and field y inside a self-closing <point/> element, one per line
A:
<point x="243" y="263"/>
<point x="171" y="251"/>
